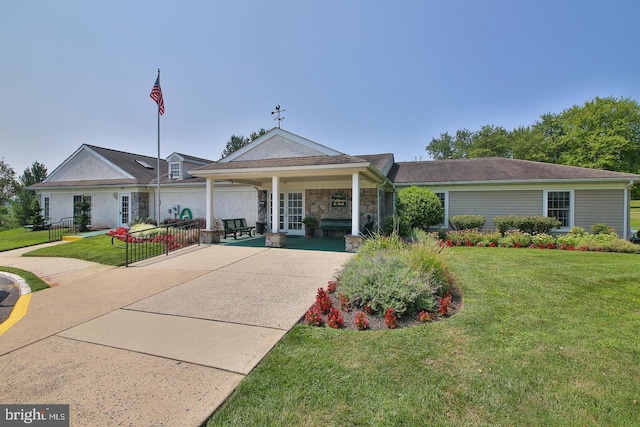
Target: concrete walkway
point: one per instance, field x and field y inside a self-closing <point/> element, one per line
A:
<point x="162" y="343"/>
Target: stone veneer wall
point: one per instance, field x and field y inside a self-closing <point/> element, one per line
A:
<point x="318" y="204"/>
<point x="139" y="205"/>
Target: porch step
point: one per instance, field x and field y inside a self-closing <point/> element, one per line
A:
<point x="72" y="238"/>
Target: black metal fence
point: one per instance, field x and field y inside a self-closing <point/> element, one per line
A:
<point x="143" y="244"/>
<point x="62" y="228"/>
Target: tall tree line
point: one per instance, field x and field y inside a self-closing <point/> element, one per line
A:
<point x="603" y="133"/>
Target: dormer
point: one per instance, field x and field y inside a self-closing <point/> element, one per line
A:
<point x="179" y="164"/>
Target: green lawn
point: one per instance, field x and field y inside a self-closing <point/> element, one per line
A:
<point x="545" y="337"/>
<point x="19" y="238"/>
<point x="635" y="214"/>
<point x="34" y="282"/>
<point x="97" y="249"/>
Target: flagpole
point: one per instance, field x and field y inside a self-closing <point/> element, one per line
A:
<point x="158" y="162"/>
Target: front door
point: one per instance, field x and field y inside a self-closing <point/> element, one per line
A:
<point x="125" y="209"/>
<point x="291" y="213"/>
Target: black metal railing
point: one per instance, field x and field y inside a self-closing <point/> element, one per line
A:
<point x="144" y="244"/>
<point x="59" y="229"/>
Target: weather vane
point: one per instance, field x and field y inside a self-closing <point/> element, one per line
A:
<point x="277" y="113"/>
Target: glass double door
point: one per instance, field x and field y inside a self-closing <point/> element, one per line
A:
<point x="291" y="212"/>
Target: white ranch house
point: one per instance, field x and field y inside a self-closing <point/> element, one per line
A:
<point x="312" y="179"/>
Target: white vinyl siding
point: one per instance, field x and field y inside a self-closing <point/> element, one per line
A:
<point x="600" y="207"/>
<point x="494" y="203"/>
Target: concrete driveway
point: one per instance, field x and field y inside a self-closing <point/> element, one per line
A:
<point x="161" y="343"/>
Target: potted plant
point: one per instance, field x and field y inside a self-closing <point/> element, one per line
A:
<point x="310" y="224"/>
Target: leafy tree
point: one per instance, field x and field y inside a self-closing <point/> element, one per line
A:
<point x="448" y="147"/>
<point x="420" y="207"/>
<point x="528" y="143"/>
<point x="490" y="141"/>
<point x="604" y="133"/>
<point x="238" y="141"/>
<point x="23" y="205"/>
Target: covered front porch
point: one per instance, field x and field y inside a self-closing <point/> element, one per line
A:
<point x="323" y="187"/>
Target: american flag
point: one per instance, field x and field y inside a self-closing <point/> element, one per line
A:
<point x="156" y="95"/>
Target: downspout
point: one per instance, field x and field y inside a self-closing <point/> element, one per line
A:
<point x="627" y="210"/>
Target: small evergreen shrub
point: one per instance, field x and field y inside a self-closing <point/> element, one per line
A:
<point x="420" y="207"/>
<point x="467" y="222"/>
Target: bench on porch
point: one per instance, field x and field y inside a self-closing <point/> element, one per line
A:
<point x="334" y="224"/>
<point x="235" y="227"/>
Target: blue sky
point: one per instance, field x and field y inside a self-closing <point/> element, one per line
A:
<point x="362" y="76"/>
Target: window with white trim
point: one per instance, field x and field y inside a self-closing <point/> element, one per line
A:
<point x="559" y="205"/>
<point x="46" y="206"/>
<point x="175" y="171"/>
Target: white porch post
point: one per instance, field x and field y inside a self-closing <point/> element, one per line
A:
<point x="355" y="205"/>
<point x="209" y="202"/>
<point x="275" y="204"/>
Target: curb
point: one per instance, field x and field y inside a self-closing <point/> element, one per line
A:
<point x="20" y="309"/>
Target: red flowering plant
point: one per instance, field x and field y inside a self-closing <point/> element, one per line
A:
<point x="368" y="309"/>
<point x="424" y="317"/>
<point x="360" y="321"/>
<point x="331" y="286"/>
<point x="313" y="317"/>
<point x="444" y="303"/>
<point x="324" y="301"/>
<point x="334" y="319"/>
<point x="390" y="318"/>
<point x="344" y="302"/>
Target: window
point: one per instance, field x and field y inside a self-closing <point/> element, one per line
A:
<point x="174" y="170"/>
<point x="46" y="206"/>
<point x="559" y="205"/>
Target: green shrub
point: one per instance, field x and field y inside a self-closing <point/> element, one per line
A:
<point x="543" y="239"/>
<point x="420" y="207"/>
<point x="602" y="229"/>
<point x="489" y="237"/>
<point x="467" y="222"/>
<point x="387" y="272"/>
<point x="515" y="239"/>
<point x="465" y="237"/>
<point x="395" y="224"/>
<point x="526" y="224"/>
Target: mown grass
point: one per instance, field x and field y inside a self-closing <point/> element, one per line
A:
<point x="96" y="249"/>
<point x="19" y="238"/>
<point x="34" y="282"/>
<point x="544" y="338"/>
<point x="635" y="214"/>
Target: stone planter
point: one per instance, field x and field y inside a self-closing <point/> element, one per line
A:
<point x="211" y="236"/>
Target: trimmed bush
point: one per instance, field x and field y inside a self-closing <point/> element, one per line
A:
<point x="467" y="222"/>
<point x="526" y="224"/>
<point x="420" y="207"/>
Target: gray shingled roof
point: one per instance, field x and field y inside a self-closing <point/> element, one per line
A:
<point x="494" y="169"/>
<point x="127" y="162"/>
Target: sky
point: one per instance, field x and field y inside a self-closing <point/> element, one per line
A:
<point x="359" y="76"/>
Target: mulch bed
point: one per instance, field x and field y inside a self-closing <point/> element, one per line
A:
<point x="376" y="322"/>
